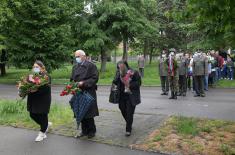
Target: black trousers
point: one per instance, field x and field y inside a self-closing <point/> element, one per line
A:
<point x="88" y="126"/>
<point x="182" y="84"/>
<point x="164" y="84"/>
<point x="199" y="84"/>
<point x="189" y="82"/>
<point x="40" y="119"/>
<point x="127" y="110"/>
<point x="141" y="70"/>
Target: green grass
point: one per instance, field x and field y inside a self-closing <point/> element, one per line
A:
<point x="14" y="113"/>
<point x="62" y="75"/>
<point x="186" y="126"/>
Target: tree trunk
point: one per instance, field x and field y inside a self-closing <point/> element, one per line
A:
<point x="145" y="50"/>
<point x="115" y="56"/>
<point x="3" y="63"/>
<point x="151" y="55"/>
<point x="103" y="61"/>
<point x="125" y="50"/>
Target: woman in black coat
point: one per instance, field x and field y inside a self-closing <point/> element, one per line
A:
<point x="129" y="92"/>
<point x="39" y="101"/>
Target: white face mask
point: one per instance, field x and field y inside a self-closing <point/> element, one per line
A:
<point x="163" y="55"/>
<point x="36" y="70"/>
<point x="78" y="60"/>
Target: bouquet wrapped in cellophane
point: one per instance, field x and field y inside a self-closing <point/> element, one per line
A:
<point x="31" y="83"/>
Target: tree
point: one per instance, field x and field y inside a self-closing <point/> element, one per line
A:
<point x="215" y="19"/>
<point x="5" y="14"/>
<point x="120" y="20"/>
<point x="39" y="30"/>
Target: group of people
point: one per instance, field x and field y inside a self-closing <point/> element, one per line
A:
<point x="182" y="71"/>
<point x="178" y="72"/>
<point x="85" y="74"/>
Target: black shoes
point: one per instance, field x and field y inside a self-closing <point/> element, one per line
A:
<point x="91" y="135"/>
<point x="173" y="95"/>
<point x="128" y="134"/>
<point x="164" y="93"/>
<point x="197" y="95"/>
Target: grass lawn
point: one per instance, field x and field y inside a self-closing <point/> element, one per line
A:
<point x="61" y="76"/>
<point x="14" y="113"/>
<point x="183" y="135"/>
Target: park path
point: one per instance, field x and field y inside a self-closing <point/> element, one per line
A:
<point x="218" y="103"/>
<point x="154" y="109"/>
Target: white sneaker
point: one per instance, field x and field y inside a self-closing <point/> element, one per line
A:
<point x="48" y="126"/>
<point x="40" y="137"/>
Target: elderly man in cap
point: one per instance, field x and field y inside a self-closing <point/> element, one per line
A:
<point x="200" y="69"/>
<point x="163" y="72"/>
<point x="183" y="71"/>
<point x="85" y="73"/>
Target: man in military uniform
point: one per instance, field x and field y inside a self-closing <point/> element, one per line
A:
<point x="200" y="69"/>
<point x="183" y="70"/>
<point x="163" y="73"/>
<point x="173" y="74"/>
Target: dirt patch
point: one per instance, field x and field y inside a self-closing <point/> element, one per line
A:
<point x="207" y="137"/>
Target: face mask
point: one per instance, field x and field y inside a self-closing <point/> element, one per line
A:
<point x="36" y="70"/>
<point x="78" y="60"/>
<point x="164" y="55"/>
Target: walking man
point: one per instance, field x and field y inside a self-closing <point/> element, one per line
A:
<point x="141" y="63"/>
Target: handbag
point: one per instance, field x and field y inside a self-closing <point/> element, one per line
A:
<point x="114" y="96"/>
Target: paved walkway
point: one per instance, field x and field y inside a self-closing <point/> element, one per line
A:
<point x="20" y="142"/>
<point x="218" y="104"/>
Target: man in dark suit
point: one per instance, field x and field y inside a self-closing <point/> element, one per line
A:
<point x="85" y="73"/>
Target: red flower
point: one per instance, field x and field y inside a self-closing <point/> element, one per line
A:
<point x="37" y="80"/>
<point x="73" y="92"/>
<point x="68" y="86"/>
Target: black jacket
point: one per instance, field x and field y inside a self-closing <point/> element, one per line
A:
<point x="39" y="102"/>
<point x="88" y="73"/>
<point x="135" y="84"/>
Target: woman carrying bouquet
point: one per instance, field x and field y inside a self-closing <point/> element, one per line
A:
<point x="39" y="101"/>
<point x="128" y="82"/>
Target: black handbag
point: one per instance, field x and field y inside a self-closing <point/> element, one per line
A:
<point x="114" y="96"/>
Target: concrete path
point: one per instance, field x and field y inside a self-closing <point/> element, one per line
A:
<point x="21" y="142"/>
<point x="218" y="103"/>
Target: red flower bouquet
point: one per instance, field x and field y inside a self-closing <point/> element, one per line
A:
<point x="71" y="88"/>
<point x="30" y="83"/>
<point x="126" y="80"/>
